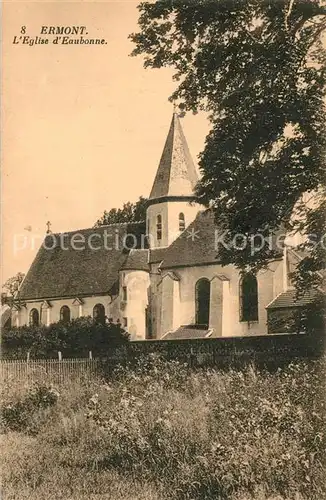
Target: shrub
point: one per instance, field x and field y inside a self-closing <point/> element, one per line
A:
<point x="75" y="338"/>
<point x="17" y="415"/>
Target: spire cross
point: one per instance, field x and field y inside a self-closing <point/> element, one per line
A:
<point x="174" y="107"/>
<point x="48" y="224"/>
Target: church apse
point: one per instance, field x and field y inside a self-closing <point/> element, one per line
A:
<point x="134" y="303"/>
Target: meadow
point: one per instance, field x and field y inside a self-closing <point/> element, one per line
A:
<point x="164" y="431"/>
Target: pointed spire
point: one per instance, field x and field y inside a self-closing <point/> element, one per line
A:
<point x="176" y="174"/>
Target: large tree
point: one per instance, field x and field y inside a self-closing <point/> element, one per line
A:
<point x="258" y="67"/>
<point x="130" y="212"/>
<point x="12" y="284"/>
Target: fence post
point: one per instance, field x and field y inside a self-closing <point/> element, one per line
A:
<point x="56" y="369"/>
<point x="59" y="371"/>
<point x="27" y="365"/>
<point x="192" y="358"/>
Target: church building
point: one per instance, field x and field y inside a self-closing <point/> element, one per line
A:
<point x="161" y="278"/>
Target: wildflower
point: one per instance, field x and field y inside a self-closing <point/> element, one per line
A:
<point x="54" y="391"/>
<point x="94" y="399"/>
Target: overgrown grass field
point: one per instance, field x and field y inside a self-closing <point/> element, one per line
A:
<point x="163" y="431"/>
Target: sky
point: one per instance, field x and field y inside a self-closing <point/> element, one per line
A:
<point x="83" y="127"/>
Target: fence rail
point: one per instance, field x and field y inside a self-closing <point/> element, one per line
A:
<point x="48" y="369"/>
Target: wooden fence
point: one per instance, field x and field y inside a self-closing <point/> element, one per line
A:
<point x="52" y="370"/>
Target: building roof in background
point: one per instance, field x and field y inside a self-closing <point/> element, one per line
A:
<point x="80" y="263"/>
<point x="176" y="174"/>
<point x="289" y="299"/>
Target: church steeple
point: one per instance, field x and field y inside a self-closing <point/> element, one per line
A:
<point x="176" y="174"/>
<point x="168" y="210"/>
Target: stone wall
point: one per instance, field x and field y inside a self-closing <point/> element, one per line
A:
<point x="224" y="352"/>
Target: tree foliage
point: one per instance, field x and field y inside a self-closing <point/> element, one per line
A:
<point x="258" y="67"/>
<point x="130" y="212"/>
<point x="12" y="284"/>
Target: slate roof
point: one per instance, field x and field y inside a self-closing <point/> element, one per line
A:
<point x="199" y="249"/>
<point x="176" y="174"/>
<point x="80" y="269"/>
<point x="197" y="245"/>
<point x="288" y="299"/>
<point x="137" y="260"/>
<point x="157" y="255"/>
<point x="187" y="332"/>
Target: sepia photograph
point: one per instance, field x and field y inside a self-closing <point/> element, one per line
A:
<point x="163" y="264"/>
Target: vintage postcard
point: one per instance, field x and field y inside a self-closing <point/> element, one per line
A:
<point x="163" y="249"/>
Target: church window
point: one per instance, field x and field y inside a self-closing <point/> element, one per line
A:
<point x="203" y="291"/>
<point x="125" y="322"/>
<point x="34" y="317"/>
<point x="124" y="293"/>
<point x="159" y="227"/>
<point x="248" y="298"/>
<point x="182" y="222"/>
<point x="65" y="314"/>
<point x="99" y="314"/>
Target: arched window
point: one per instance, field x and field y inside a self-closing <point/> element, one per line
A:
<point x="65" y="314"/>
<point x="203" y="292"/>
<point x="99" y="314"/>
<point x="248" y="298"/>
<point x="34" y="317"/>
<point x="159" y="227"/>
<point x="182" y="221"/>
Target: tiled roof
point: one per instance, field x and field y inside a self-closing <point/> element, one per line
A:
<point x="157" y="255"/>
<point x="188" y="332"/>
<point x="289" y="299"/>
<point x="176" y="174"/>
<point x="197" y="245"/>
<point x="137" y="260"/>
<point x="87" y="262"/>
